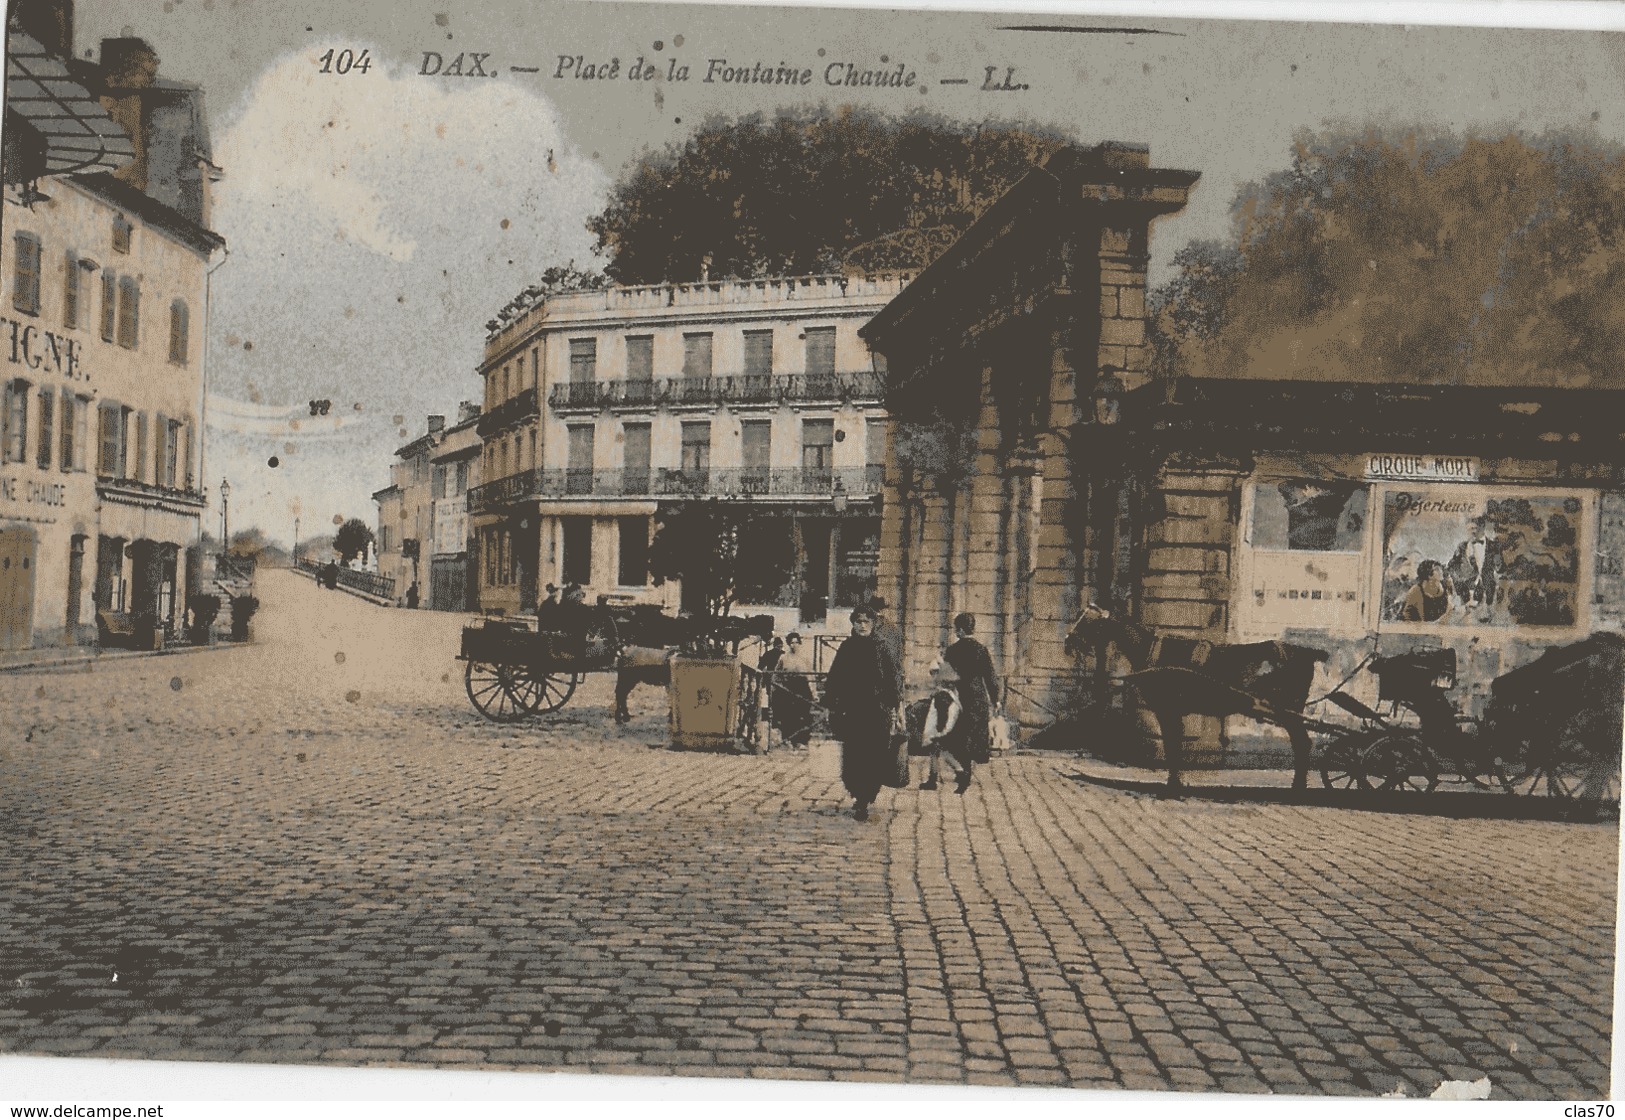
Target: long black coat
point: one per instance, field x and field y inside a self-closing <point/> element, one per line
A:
<point x="978" y="688"/>
<point x="861" y="693"/>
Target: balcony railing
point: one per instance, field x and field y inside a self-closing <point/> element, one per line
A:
<point x="739" y="388"/>
<point x="508" y="413"/>
<point x="805" y="483"/>
<point x="134" y="489"/>
<point x="504" y="491"/>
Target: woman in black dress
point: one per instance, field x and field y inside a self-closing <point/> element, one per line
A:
<point x="861" y="693"/>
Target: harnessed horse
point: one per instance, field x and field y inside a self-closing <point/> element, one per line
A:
<point x="1177" y="677"/>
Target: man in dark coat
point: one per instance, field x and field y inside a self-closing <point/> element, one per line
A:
<point x="978" y="693"/>
<point x="886" y="631"/>
<point x="862" y="692"/>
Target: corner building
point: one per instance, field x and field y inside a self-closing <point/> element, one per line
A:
<point x="605" y="410"/>
<point x="103" y="301"/>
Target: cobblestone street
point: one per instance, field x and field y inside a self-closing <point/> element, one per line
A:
<point x="313" y="850"/>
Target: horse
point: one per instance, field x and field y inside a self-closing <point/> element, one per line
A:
<point x="643" y="663"/>
<point x="1177" y="677"/>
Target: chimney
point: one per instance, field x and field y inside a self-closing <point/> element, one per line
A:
<point x="466" y="411"/>
<point x="437" y="424"/>
<point x="129" y="67"/>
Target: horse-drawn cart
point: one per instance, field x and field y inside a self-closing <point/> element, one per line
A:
<point x="516" y="669"/>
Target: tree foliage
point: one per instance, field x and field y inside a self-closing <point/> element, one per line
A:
<point x="353" y="539"/>
<point x="697" y="543"/>
<point x="1427" y="260"/>
<point x="809" y="191"/>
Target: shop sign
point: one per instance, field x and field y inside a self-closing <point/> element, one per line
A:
<point x="32" y="492"/>
<point x="1422" y="468"/>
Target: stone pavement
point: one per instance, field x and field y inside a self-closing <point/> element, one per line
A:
<point x="314" y="851"/>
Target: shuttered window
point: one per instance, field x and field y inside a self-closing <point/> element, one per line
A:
<point x="821" y="350"/>
<point x="47" y="407"/>
<point x="697" y="355"/>
<point x="129" y="312"/>
<point x="640" y="357"/>
<point x="70" y="290"/>
<point x="583" y="359"/>
<point x="758" y="352"/>
<point x="179" y="329"/>
<point x="109" y="305"/>
<point x="25" y="275"/>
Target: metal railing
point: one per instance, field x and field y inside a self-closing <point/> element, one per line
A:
<point x="808" y="483"/>
<point x="368" y="583"/>
<point x="739" y="388"/>
<point x="509" y="412"/>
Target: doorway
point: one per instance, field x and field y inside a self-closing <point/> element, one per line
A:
<point x="18" y="548"/>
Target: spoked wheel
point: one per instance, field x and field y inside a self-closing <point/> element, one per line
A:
<point x="1569" y="776"/>
<point x="495" y="691"/>
<point x="1343" y="764"/>
<point x="1400" y="763"/>
<point x="553" y="690"/>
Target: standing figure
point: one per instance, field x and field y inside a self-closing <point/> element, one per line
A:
<point x="1475" y="569"/>
<point x="861" y="693"/>
<point x="547" y="611"/>
<point x="792" y="698"/>
<point x="886" y="632"/>
<point x="940" y="730"/>
<point x="412" y="597"/>
<point x="978" y="693"/>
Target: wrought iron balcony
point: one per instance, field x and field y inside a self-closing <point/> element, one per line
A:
<point x="503" y="491"/>
<point x="858" y="386"/>
<point x="507" y="414"/>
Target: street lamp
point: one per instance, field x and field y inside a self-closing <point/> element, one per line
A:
<point x="225" y="517"/>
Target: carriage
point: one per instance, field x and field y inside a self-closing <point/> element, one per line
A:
<point x="522" y="667"/>
<point x="1552" y="726"/>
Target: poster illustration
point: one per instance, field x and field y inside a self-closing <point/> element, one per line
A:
<point x="1478" y="558"/>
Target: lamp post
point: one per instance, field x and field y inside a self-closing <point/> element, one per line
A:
<point x="296" y="542"/>
<point x="225" y="518"/>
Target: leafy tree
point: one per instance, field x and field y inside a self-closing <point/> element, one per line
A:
<point x="1422" y="259"/>
<point x="809" y="191"/>
<point x="353" y="539"/>
<point x="698" y="544"/>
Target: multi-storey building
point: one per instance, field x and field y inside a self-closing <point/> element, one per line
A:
<point x="606" y="410"/>
<point x="103" y="293"/>
<point x="406" y="512"/>
<point x="456" y="469"/>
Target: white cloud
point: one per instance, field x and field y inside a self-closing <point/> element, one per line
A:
<point x="374" y="222"/>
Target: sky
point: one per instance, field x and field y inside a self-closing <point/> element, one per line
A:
<point x="376" y="220"/>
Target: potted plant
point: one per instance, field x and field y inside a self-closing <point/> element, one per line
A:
<point x="698" y="544"/>
<point x="242" y="609"/>
<point x="204" y="609"/>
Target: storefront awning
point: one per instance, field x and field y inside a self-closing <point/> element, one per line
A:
<point x="79" y="135"/>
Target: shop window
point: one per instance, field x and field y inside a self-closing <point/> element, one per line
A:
<point x="178" y="328"/>
<point x="14" y="422"/>
<point x="767" y="570"/>
<point x="577" y="565"/>
<point x="634" y="552"/>
<point x="25" y="277"/>
<point x="857" y="561"/>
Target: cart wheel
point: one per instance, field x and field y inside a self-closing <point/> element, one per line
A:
<point x="1400" y="763"/>
<point x="1570" y="776"/>
<point x="1343" y="764"/>
<point x="553" y="690"/>
<point x="493" y="691"/>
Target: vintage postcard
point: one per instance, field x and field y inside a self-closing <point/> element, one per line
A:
<point x="958" y="548"/>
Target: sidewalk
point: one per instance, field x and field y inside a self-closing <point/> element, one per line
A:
<point x="71" y="657"/>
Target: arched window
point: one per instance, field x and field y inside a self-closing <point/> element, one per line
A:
<point x="178" y="328"/>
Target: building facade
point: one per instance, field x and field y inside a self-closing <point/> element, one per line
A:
<point x="103" y="303"/>
<point x="607" y="410"/>
<point x="1039" y="465"/>
<point x="455" y="469"/>
<point x="406" y="513"/>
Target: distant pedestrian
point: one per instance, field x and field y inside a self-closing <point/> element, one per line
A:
<point x="886" y="632"/>
<point x="412" y="597"/>
<point x="547" y="611"/>
<point x="330" y="575"/>
<point x="861" y="693"/>
<point x="978" y="693"/>
<point x="792" y="698"/>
